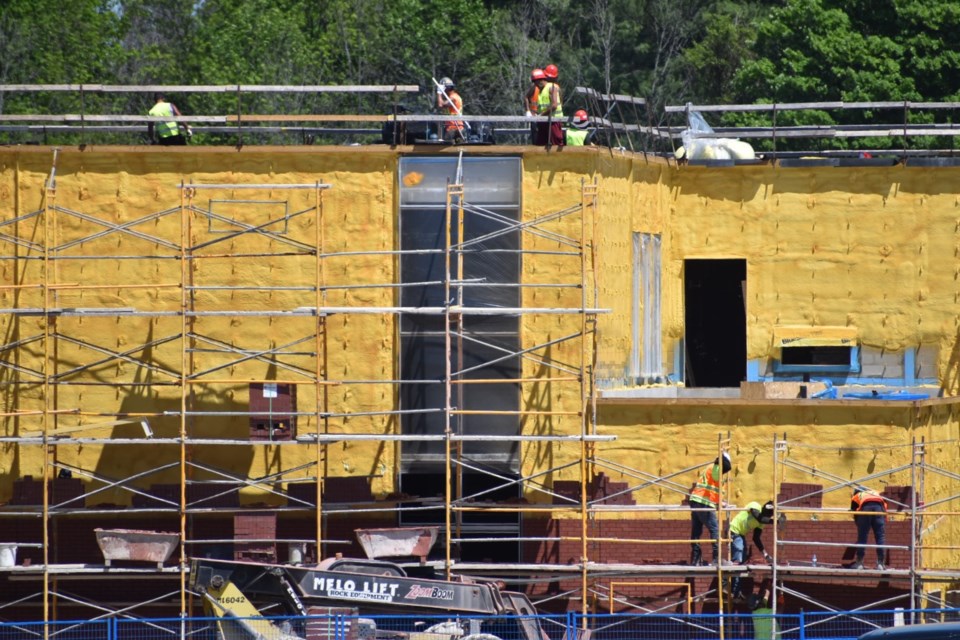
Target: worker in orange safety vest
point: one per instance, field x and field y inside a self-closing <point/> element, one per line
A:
<point x="449" y="100"/>
<point x="704" y="500"/>
<point x="531" y="99"/>
<point x="870" y="510"/>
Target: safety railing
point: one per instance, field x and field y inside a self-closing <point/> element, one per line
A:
<point x="281" y="114"/>
<point x="830" y="625"/>
<point x="874" y="133"/>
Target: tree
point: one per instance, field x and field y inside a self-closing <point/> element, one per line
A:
<point x="251" y="42"/>
<point x="726" y="44"/>
<point x="39" y="46"/>
<point x="854" y="50"/>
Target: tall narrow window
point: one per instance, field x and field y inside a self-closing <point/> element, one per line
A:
<point x="482" y="347"/>
<point x="646" y="361"/>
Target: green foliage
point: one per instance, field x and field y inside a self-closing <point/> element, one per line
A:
<point x="667" y="51"/>
<point x="55" y="42"/>
<point x="853" y="50"/>
<point x="726" y="44"/>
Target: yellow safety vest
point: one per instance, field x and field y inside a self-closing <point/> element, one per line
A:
<point x="543" y="100"/>
<point x="164" y="129"/>
<point x="744" y="522"/>
<point x="576" y="137"/>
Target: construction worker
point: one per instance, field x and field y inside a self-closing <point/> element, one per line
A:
<point x="530" y="99"/>
<point x="533" y="92"/>
<point x="752" y="518"/>
<point x="704" y="500"/>
<point x="449" y="100"/>
<point x="579" y="135"/>
<point x="550" y="103"/>
<point x="764" y="623"/>
<point x="869" y="509"/>
<point x="167" y="132"/>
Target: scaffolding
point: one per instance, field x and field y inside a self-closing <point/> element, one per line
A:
<point x="186" y="350"/>
<point x="203" y="365"/>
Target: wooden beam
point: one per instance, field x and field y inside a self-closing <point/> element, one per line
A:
<point x="214" y="88"/>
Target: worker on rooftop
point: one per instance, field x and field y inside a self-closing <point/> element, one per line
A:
<point x="531" y="99"/>
<point x="870" y="510"/>
<point x="704" y="501"/>
<point x="550" y="103"/>
<point x="579" y="133"/>
<point x="751" y="519"/>
<point x="167" y="132"/>
<point x="449" y="101"/>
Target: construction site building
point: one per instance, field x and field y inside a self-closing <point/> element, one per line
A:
<point x="251" y="352"/>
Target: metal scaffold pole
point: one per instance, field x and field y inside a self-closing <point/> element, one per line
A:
<point x="186" y="200"/>
<point x="321" y="373"/>
<point x="584" y="467"/>
<point x="49" y="367"/>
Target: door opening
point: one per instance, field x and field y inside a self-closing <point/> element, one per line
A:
<point x="716" y="322"/>
<point x="482" y="525"/>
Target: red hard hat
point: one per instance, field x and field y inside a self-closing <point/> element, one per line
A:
<point x="551" y="71"/>
<point x="537" y="74"/>
<point x="580" y="116"/>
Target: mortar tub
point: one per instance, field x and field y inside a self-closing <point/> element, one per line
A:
<point x="129" y="544"/>
<point x="396" y="542"/>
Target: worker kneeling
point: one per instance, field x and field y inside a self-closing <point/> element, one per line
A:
<point x="580" y="134"/>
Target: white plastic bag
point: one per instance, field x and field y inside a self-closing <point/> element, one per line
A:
<point x="696" y="147"/>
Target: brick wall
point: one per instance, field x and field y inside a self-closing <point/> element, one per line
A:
<point x="335" y="490"/>
<point x="28" y="491"/>
<point x="796" y="495"/>
<point x="199" y="496"/>
<point x="600" y="489"/>
<point x="848" y="592"/>
<point x="261" y="529"/>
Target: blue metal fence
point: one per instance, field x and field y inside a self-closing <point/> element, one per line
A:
<point x="841" y="625"/>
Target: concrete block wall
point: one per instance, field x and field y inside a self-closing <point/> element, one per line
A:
<point x="926" y="361"/>
<point x="879" y="363"/>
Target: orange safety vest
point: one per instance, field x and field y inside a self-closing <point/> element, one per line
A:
<point x="533" y="99"/>
<point x="863" y="497"/>
<point x="458" y="101"/>
<point x="707" y="490"/>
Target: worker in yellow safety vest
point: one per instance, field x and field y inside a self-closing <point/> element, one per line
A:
<point x="750" y="520"/>
<point x="550" y="103"/>
<point x="765" y="625"/>
<point x="870" y="510"/>
<point x="166" y="132"/>
<point x="704" y="500"/>
<point x="579" y="135"/>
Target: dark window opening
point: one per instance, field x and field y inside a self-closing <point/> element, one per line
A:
<point x="816" y="356"/>
<point x="273" y="410"/>
<point x="715" y="322"/>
